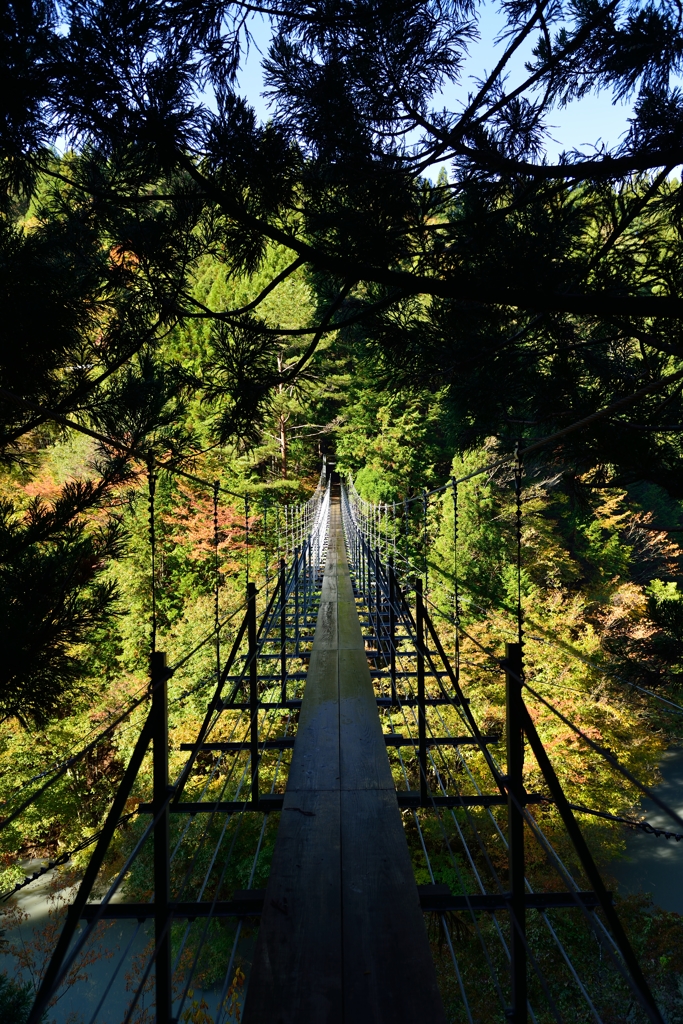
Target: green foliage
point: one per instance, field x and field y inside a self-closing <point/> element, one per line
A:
<point x="240" y="299"/>
<point x="396" y="441"/>
<point x="15" y="1000"/>
<point x="665" y="610"/>
<point x="54" y="598"/>
<point x="374" y="487"/>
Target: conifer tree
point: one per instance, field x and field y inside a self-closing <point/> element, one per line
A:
<point x="536" y="292"/>
<point x="539" y="291"/>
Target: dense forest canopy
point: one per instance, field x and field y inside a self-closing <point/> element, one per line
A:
<point x="188" y="286"/>
<point x="180" y="278"/>
<point x="409" y="288"/>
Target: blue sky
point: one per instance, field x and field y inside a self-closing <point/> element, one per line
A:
<point x="582" y="125"/>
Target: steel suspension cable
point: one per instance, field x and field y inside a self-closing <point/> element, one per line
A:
<point x="151" y="483"/>
<point x="609" y="757"/>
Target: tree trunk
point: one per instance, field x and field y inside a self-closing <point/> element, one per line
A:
<point x="282" y="423"/>
<point x="283" y="446"/>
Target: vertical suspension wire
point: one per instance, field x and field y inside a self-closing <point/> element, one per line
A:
<point x="405" y="524"/>
<point x="424" y="539"/>
<point x="151" y="488"/>
<point x="518" y="529"/>
<point x="378" y="529"/>
<point x="378" y="541"/>
<point x="265" y="545"/>
<point x="456" y="588"/>
<point x="217" y="580"/>
<point x="246" y="532"/>
<point x="277" y="523"/>
<point x="371" y="522"/>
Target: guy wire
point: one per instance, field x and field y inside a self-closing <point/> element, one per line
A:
<point x="246" y="532"/>
<point x="217" y="579"/>
<point x="456" y="591"/>
<point x="151" y="480"/>
<point x="518" y="516"/>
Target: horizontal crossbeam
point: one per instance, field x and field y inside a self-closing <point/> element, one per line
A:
<point x="287" y="705"/>
<point x="250" y="902"/>
<point x="290" y="654"/>
<point x="411" y="798"/>
<point x="384" y="673"/>
<point x="268" y="679"/>
<point x="412" y="702"/>
<point x="440" y="898"/>
<point x="244" y="902"/>
<point x="265" y="804"/>
<point x="233" y="748"/>
<point x="394" y="739"/>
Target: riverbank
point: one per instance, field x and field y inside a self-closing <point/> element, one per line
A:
<point x="653" y="864"/>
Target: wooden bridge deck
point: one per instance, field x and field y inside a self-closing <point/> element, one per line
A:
<point x="342" y="938"/>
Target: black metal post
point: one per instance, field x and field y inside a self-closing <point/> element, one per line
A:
<point x="421" y="707"/>
<point x="296" y="600"/>
<point x="369" y="590"/>
<point x="283" y="632"/>
<point x="304" y="594"/>
<point x="378" y="605"/>
<point x="307" y="583"/>
<point x="392" y="630"/>
<point x="311" y="581"/>
<point x="162" y="866"/>
<point x="516" y="799"/>
<point x="253" y="691"/>
<point x="362" y="566"/>
<point x="366" y="572"/>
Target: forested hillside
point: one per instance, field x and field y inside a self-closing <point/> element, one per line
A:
<point x="201" y="310"/>
<point x="601" y="593"/>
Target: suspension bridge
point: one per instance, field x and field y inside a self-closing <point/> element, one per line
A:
<point x="338" y="724"/>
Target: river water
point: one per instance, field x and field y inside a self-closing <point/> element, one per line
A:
<point x="654" y="864"/>
<point x="79" y="1002"/>
<point x="103" y="990"/>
